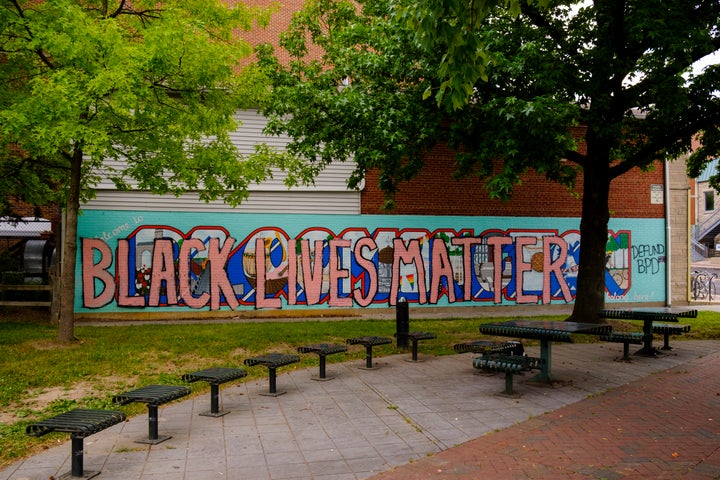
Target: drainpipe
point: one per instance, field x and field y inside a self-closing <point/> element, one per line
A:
<point x="668" y="242"/>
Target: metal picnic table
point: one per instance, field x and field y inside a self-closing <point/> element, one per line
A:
<point x="648" y="315"/>
<point x="547" y="332"/>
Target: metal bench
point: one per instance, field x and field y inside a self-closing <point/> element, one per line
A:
<point x="415" y="337"/>
<point x="488" y="346"/>
<point x="626" y="338"/>
<point x="508" y="364"/>
<point x="152" y="396"/>
<point x="322" y="350"/>
<point x="215" y="377"/>
<point x="369" y="342"/>
<point x="667" y="329"/>
<point x="80" y="423"/>
<point x="272" y="361"/>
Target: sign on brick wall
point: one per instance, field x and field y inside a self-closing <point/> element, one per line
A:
<point x="160" y="261"/>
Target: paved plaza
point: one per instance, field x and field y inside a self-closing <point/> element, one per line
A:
<point x="437" y="418"/>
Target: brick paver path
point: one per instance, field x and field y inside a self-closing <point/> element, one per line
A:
<point x="665" y="426"/>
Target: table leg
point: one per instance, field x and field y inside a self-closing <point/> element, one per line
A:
<point x="545" y="355"/>
<point x="647" y="349"/>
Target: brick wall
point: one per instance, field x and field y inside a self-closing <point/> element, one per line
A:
<point x="49" y="212"/>
<point x="279" y="22"/>
<point x="436" y="192"/>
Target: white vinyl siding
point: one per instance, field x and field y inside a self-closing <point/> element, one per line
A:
<point x="329" y="194"/>
<point x="259" y="202"/>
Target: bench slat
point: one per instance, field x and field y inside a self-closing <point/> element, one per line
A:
<point x="636" y="338"/>
<point x="322" y="348"/>
<point x="671" y="329"/>
<point x="504" y="363"/>
<point x="79" y="422"/>
<point x="488" y="346"/>
<point x="272" y="360"/>
<point x="369" y="341"/>
<point x="152" y="395"/>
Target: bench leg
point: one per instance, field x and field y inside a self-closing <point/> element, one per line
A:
<point x="153" y="422"/>
<point x="626" y="351"/>
<point x="509" y="384"/>
<point x="214" y="402"/>
<point x="666" y="342"/>
<point x="414" y="350"/>
<point x="322" y="367"/>
<point x="153" y="437"/>
<point x="76" y="461"/>
<point x="214" y="398"/>
<point x="323" y="372"/>
<point x="368" y="357"/>
<point x="77" y="456"/>
<point x="272" y="380"/>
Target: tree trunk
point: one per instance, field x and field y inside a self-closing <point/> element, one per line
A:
<point x="66" y="321"/>
<point x="590" y="297"/>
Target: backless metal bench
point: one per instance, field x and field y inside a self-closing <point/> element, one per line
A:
<point x="79" y="423"/>
<point x="152" y="396"/>
<point x="415" y="337"/>
<point x="511" y="347"/>
<point x="215" y="377"/>
<point x="272" y="361"/>
<point x="322" y="350"/>
<point x="667" y="329"/>
<point x="626" y="338"/>
<point x="508" y="364"/>
<point x="369" y="342"/>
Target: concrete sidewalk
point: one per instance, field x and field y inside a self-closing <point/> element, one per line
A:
<point x="439" y="418"/>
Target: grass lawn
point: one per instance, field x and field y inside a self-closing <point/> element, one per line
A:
<point x="41" y="378"/>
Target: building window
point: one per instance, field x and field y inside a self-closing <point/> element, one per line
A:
<point x="709" y="200"/>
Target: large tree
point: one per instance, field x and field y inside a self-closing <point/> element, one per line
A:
<point x="154" y="84"/>
<point x="382" y="81"/>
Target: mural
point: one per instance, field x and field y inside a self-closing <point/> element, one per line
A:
<point x="235" y="261"/>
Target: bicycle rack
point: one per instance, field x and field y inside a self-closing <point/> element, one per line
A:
<point x="702" y="285"/>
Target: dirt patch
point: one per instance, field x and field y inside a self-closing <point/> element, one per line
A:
<point x="38" y="400"/>
<point x="239" y="353"/>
